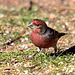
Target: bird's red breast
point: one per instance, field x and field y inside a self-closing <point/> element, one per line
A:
<point x="41" y="41"/>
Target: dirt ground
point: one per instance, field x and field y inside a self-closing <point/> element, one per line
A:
<point x="15" y="44"/>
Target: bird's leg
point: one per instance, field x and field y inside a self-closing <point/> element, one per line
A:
<point x="37" y="52"/>
<point x="43" y="50"/>
<point x="31" y="57"/>
<point x="55" y="49"/>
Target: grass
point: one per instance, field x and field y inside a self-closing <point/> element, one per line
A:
<point x="12" y="26"/>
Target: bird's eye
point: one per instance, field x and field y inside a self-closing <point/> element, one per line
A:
<point x="37" y="24"/>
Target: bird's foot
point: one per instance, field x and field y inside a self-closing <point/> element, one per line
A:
<point x="32" y="57"/>
<point x="54" y="56"/>
<point x="43" y="51"/>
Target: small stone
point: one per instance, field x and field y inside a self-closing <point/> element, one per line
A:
<point x="1" y="15"/>
<point x="47" y="22"/>
<point x="13" y="59"/>
<point x="63" y="26"/>
<point x="67" y="70"/>
<point x="61" y="62"/>
<point x="66" y="24"/>
<point x="4" y="34"/>
<point x="30" y="56"/>
<point x="25" y="71"/>
<point x="70" y="71"/>
<point x="12" y="44"/>
<point x="72" y="59"/>
<point x="26" y="39"/>
<point x="22" y="40"/>
<point x="26" y="64"/>
<point x="73" y="31"/>
<point x="12" y="9"/>
<point x="18" y="70"/>
<point x="10" y="38"/>
<point x="24" y="46"/>
<point x="64" y="67"/>
<point x="12" y="35"/>
<point x="7" y="32"/>
<point x="8" y="64"/>
<point x="58" y="74"/>
<point x="40" y="73"/>
<point x="58" y="21"/>
<point x="50" y="66"/>
<point x="67" y="48"/>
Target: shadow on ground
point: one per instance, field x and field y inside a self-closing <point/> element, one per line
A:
<point x="70" y="51"/>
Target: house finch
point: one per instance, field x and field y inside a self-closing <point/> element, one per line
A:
<point x="42" y="36"/>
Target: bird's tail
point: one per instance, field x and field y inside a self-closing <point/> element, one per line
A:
<point x="62" y="34"/>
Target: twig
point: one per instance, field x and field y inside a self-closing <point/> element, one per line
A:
<point x="65" y="7"/>
<point x="9" y="42"/>
<point x="30" y="5"/>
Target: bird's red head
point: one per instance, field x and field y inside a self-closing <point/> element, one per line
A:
<point x="38" y="22"/>
<point x="38" y="26"/>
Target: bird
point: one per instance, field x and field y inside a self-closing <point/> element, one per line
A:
<point x="43" y="36"/>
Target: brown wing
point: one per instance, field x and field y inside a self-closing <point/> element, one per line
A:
<point x="52" y="33"/>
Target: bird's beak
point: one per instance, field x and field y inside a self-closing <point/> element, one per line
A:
<point x="30" y="25"/>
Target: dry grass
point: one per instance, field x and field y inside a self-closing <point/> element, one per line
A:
<point x="13" y="56"/>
